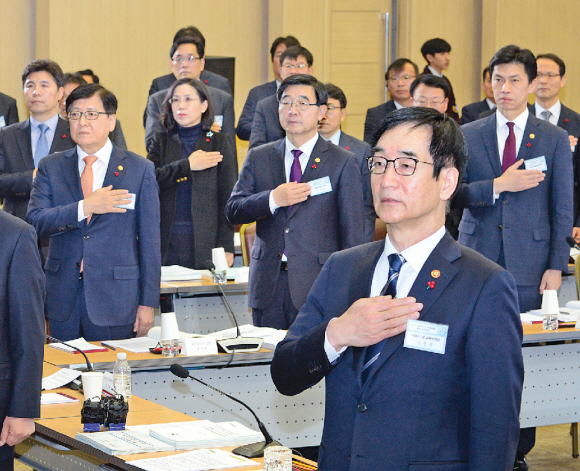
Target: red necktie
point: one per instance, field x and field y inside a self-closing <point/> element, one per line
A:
<point x="509" y="151"/>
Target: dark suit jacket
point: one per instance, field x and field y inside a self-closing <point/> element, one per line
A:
<point x="8" y="110"/>
<point x="310" y="232"/>
<point x="266" y="123"/>
<point x="471" y="112"/>
<point x="221" y="102"/>
<point x="211" y="189"/>
<point x="256" y="94"/>
<point x="530" y="225"/>
<point x="21" y="322"/>
<point x="121" y="251"/>
<point x="117" y="137"/>
<point x="209" y="78"/>
<point x="375" y="116"/>
<point x="452" y="106"/>
<point x="362" y="152"/>
<point x="17" y="165"/>
<point x="417" y="410"/>
<point x="570" y="121"/>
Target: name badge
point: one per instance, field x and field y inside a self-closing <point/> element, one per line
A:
<point x="219" y="120"/>
<point x="199" y="346"/>
<point x="2" y="122"/>
<point x="320" y="186"/>
<point x="426" y="336"/>
<point x="539" y="163"/>
<point x="130" y="205"/>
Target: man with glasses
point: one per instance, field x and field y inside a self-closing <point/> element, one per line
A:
<point x="305" y="194"/>
<point x="266" y="124"/>
<point x="430" y="91"/>
<point x="406" y="365"/>
<point x="188" y="62"/>
<point x="551" y="79"/>
<point x="100" y="207"/>
<point x="399" y="77"/>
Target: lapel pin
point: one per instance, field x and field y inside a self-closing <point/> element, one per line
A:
<point x="566" y="120"/>
<point x="64" y="136"/>
<point x="209" y="134"/>
<point x="532" y="136"/>
<point x="435" y="273"/>
<point x="116" y="174"/>
<point x="205" y="81"/>
<point x="317" y="160"/>
<point x="120" y="167"/>
<point x="207" y="139"/>
<point x="430" y="285"/>
<point x="314" y="166"/>
<point x="347" y="148"/>
<point x="528" y="145"/>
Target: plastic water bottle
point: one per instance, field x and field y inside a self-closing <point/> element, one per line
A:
<point x="122" y="376"/>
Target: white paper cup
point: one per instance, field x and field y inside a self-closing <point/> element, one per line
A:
<point x="169" y="328"/>
<point x="218" y="257"/>
<point x="92" y="384"/>
<point x="550" y="302"/>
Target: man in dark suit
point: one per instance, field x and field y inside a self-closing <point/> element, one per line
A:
<point x="426" y="399"/>
<point x="399" y="77"/>
<point x="551" y="79"/>
<point x="100" y="207"/>
<point x="329" y="129"/>
<point x="436" y="53"/>
<point x="306" y="196"/>
<point x="23" y="145"/>
<point x="518" y="190"/>
<point x="471" y="112"/>
<point x="21" y="334"/>
<point x="187" y="62"/>
<point x="266" y="125"/>
<point x="265" y="90"/>
<point x="8" y="110"/>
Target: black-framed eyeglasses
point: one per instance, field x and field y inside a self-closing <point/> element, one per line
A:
<point x="91" y="115"/>
<point x="404" y="166"/>
<point x="300" y="105"/>
<point x="182" y="59"/>
<point x="332" y="107"/>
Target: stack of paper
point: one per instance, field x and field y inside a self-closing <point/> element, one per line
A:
<point x="178" y="273"/>
<point x="195" y="460"/>
<point x="123" y="442"/>
<point x="204" y="434"/>
<point x="56" y="398"/>
<point x="80" y="343"/>
<point x="60" y="378"/>
<point x="135" y="345"/>
<point x="271" y="336"/>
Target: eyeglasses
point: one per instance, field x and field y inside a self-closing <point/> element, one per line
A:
<point x="300" y="105"/>
<point x="426" y="102"/>
<point x="298" y="67"/>
<point x="404" y="166"/>
<point x="186" y="99"/>
<point x="549" y="76"/>
<point x="405" y="78"/>
<point x="91" y="115"/>
<point x="331" y="108"/>
<point x="182" y="59"/>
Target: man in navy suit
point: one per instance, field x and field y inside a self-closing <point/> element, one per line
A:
<point x="265" y="90"/>
<point x="471" y="112"/>
<point x="306" y="196"/>
<point x="551" y="79"/>
<point x="100" y="207"/>
<point x="329" y="129"/>
<point x="266" y="126"/>
<point x="399" y="77"/>
<point x="21" y="334"/>
<point x="395" y="400"/>
<point x="8" y="110"/>
<point x="518" y="190"/>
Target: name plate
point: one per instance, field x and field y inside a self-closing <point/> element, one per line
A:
<point x="426" y="336"/>
<point x="199" y="346"/>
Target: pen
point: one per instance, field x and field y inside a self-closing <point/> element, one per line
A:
<point x="108" y="346"/>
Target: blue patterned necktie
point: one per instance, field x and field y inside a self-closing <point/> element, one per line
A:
<point x="41" y="150"/>
<point x="372" y="352"/>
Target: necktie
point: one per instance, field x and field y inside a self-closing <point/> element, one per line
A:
<point x="41" y="149"/>
<point x="87" y="185"/>
<point x="296" y="170"/>
<point x="546" y="115"/>
<point x="509" y="151"/>
<point x="372" y="352"/>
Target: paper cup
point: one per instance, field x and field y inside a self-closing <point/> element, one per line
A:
<point x="92" y="384"/>
<point x="218" y="257"/>
<point x="550" y="302"/>
<point x="169" y="328"/>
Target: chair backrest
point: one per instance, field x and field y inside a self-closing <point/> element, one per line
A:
<point x="247" y="237"/>
<point x="577" y="275"/>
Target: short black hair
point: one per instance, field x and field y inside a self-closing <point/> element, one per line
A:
<point x="295" y="51"/>
<point x="288" y="40"/>
<point x="448" y="147"/>
<point x="74" y="78"/>
<point x="44" y="65"/>
<point x="86" y="91"/>
<point x="485" y="72"/>
<point x="189" y="31"/>
<point x="336" y="93"/>
<point x="432" y="81"/>
<point x="516" y="55"/>
<point x="307" y="80"/>
<point x="207" y="117"/>
<point x="91" y="73"/>
<point x="398" y="65"/>
<point x="435" y="46"/>
<point x="188" y="40"/>
<point x="556" y="59"/>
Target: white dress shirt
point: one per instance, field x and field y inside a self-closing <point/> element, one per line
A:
<point x="99" y="170"/>
<point x="49" y="133"/>
<point x="555" y="110"/>
<point x="335" y="138"/>
<point x="503" y="131"/>
<point x="415" y="257"/>
<point x="491" y="104"/>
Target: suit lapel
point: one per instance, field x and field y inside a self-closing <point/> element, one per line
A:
<point x="116" y="170"/>
<point x="70" y="172"/>
<point x="529" y="142"/>
<point x="489" y="135"/>
<point x="277" y="168"/>
<point x="61" y="140"/>
<point x="24" y="145"/>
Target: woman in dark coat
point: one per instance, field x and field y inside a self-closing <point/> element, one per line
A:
<point x="196" y="172"/>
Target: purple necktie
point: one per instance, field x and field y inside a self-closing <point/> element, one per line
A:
<point x="296" y="170"/>
<point x="509" y="151"/>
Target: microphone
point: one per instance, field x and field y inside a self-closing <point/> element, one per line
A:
<point x="89" y="366"/>
<point x="254" y="450"/>
<point x="238" y="344"/>
<point x="572" y="242"/>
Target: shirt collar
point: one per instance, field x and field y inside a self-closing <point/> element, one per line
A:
<point x="335" y="138"/>
<point x="398" y="106"/>
<point x="491" y="104"/>
<point x="434" y="72"/>
<point x="554" y="109"/>
<point x="50" y="122"/>
<point x="417" y="254"/>
<point x="306" y="148"/>
<point x="520" y="121"/>
<point x="103" y="154"/>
